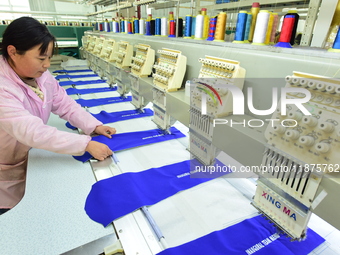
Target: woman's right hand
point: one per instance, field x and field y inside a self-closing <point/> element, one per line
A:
<point x="98" y="150"/>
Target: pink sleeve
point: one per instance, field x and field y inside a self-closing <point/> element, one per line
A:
<point x="31" y="131"/>
<point x="71" y="111"/>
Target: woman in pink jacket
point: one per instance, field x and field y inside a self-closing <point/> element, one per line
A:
<point x="28" y="94"/>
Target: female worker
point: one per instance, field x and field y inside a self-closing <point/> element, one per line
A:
<point x="28" y="94"/>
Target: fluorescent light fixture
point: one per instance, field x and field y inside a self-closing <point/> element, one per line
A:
<point x="42" y="17"/>
<point x="73" y="17"/>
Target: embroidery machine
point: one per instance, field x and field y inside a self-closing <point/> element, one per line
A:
<point x="298" y="155"/>
<point x="206" y="141"/>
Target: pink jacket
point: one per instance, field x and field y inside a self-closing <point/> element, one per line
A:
<point x="23" y="118"/>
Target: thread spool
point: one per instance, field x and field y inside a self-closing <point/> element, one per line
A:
<point x="141" y="26"/>
<point x="171" y="17"/>
<point x="129" y="27"/>
<point x="113" y="26"/>
<point x="296" y="21"/>
<point x="122" y="27"/>
<point x="193" y="26"/>
<point x="274" y="29"/>
<point x="164" y="26"/>
<point x="261" y="27"/>
<point x="205" y="23"/>
<point x="136" y="26"/>
<point x="132" y="24"/>
<point x="126" y="30"/>
<point x="117" y="27"/>
<point x="286" y="32"/>
<point x="158" y="27"/>
<point x="153" y="26"/>
<point x="199" y="27"/>
<point x="248" y="26"/>
<point x="212" y="29"/>
<point x="220" y="27"/>
<point x="269" y="29"/>
<point x="255" y="9"/>
<point x="240" y="27"/>
<point x="180" y="27"/>
<point x="172" y="29"/>
<point x="106" y="26"/>
<point x="334" y="27"/>
<point x="148" y="28"/>
<point x="188" y="24"/>
<point x="336" y="44"/>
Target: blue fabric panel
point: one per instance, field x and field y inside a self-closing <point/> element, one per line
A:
<point x="69" y="83"/>
<point x="110" y="117"/>
<point x="133" y="139"/>
<point x="73" y="91"/>
<point x="102" y="101"/>
<point x="72" y="71"/>
<point x="252" y="236"/>
<point x="65" y="76"/>
<point x="117" y="196"/>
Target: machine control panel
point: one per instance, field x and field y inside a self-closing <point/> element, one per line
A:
<point x="143" y="60"/>
<point x="123" y="55"/>
<point x="169" y="69"/>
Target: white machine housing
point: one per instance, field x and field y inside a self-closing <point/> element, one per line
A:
<point x="209" y="91"/>
<point x="170" y="68"/>
<point x="301" y="149"/>
<point x="143" y="60"/>
<point x="122" y="56"/>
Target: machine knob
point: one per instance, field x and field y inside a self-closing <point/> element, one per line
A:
<point x="311" y="84"/>
<point x="307" y="140"/>
<point x="323" y="147"/>
<point x="295" y="115"/>
<point x="292" y="134"/>
<point x="288" y="78"/>
<point x="279" y="129"/>
<point x="330" y="89"/>
<point x="337" y="91"/>
<point x="222" y="91"/>
<point x="303" y="82"/>
<point x="320" y="86"/>
<point x="327" y="127"/>
<point x="310" y="121"/>
<point x="295" y="81"/>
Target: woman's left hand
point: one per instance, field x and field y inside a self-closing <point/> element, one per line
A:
<point x="105" y="130"/>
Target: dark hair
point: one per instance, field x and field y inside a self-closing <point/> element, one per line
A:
<point x="25" y="33"/>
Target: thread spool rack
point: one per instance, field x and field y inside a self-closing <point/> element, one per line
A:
<point x="170" y="69"/>
<point x="300" y="152"/>
<point x="98" y="46"/>
<point x="143" y="60"/>
<point x="91" y="43"/>
<point x="316" y="138"/>
<point x="214" y="75"/>
<point x="108" y="47"/>
<point x="122" y="57"/>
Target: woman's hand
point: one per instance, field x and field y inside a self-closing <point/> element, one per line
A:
<point x="98" y="150"/>
<point x="105" y="130"/>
